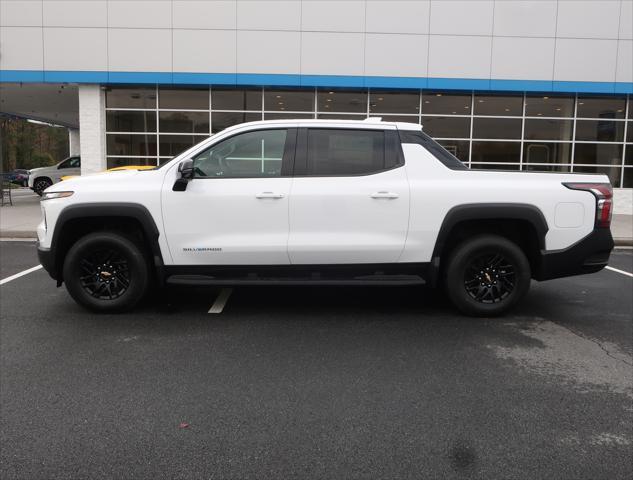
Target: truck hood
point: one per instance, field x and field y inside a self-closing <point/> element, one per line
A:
<point x="102" y="179"/>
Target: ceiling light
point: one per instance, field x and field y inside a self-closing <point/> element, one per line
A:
<point x="545" y="98"/>
<point x="558" y="109"/>
<point x="480" y="101"/>
<point x="507" y="109"/>
<point x="380" y="99"/>
<point x="328" y="99"/>
<point x="454" y="113"/>
<point x="581" y="103"/>
<point x="280" y="103"/>
<point x="331" y="93"/>
<point x="427" y="101"/>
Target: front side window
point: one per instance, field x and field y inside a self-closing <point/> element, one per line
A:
<point x="345" y="152"/>
<point x="247" y="155"/>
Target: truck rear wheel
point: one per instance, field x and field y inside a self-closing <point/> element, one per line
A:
<point x="487" y="275"/>
<point x="106" y="272"/>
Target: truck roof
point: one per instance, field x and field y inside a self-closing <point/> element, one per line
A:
<point x="370" y="123"/>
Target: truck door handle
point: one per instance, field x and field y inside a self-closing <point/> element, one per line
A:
<point x="269" y="195"/>
<point x="384" y="195"/>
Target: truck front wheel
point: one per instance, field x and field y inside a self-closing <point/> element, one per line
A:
<point x="106" y="272"/>
<point x="487" y="275"/>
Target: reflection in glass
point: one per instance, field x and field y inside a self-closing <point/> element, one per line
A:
<point x="340" y="116"/>
<point x="629" y="132"/>
<point x="628" y="155"/>
<point x="222" y="120"/>
<point x="250" y="154"/>
<point x="172" y="145"/>
<point x="496" y="152"/>
<point x="628" y="177"/>
<point x="598" y="154"/>
<point x="123" y="161"/>
<point x="458" y="148"/>
<point x="612" y="172"/>
<point x="236" y="99"/>
<point x="549" y="106"/>
<point x="600" y="107"/>
<point x="394" y="102"/>
<point x="194" y="99"/>
<point x="130" y="121"/>
<point x="502" y="105"/>
<point x="534" y="152"/>
<point x="496" y="128"/>
<point x="124" y="97"/>
<point x="287" y="116"/>
<point x="599" y="130"/>
<point x="131" y="144"/>
<point x="548" y="129"/>
<point x="445" y="103"/>
<point x="184" y="122"/>
<point x="289" y="100"/>
<point x="488" y="166"/>
<point x="547" y="168"/>
<point x="447" y="127"/>
<point x="341" y="101"/>
<point x="399" y="118"/>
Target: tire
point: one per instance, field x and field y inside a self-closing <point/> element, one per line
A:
<point x="486" y="276"/>
<point x="41" y="184"/>
<point x="106" y="272"/>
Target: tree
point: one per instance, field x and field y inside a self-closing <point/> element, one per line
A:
<point x="29" y="145"/>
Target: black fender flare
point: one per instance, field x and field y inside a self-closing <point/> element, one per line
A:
<point x="485" y="211"/>
<point x="110" y="209"/>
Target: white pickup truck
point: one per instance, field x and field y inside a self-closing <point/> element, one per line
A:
<point x="323" y="202"/>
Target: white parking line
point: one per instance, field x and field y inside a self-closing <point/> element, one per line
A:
<point x="220" y="302"/>
<point x="628" y="274"/>
<point x="18" y="275"/>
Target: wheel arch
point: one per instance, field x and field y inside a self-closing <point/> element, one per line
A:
<point x="523" y="223"/>
<point x="76" y="220"/>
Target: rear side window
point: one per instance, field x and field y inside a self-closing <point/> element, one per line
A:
<point x="345" y="152"/>
<point x="438" y="151"/>
<point x="342" y="152"/>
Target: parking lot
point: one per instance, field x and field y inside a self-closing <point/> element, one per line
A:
<point x="289" y="382"/>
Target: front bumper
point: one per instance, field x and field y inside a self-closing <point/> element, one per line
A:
<point x="47" y="259"/>
<point x="588" y="255"/>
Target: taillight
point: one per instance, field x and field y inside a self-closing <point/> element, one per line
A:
<point x="604" y="200"/>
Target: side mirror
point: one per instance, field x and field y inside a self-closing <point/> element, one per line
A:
<point x="186" y="169"/>
<point x="186" y="173"/>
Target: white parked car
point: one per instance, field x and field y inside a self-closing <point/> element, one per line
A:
<point x="42" y="178"/>
<point x="323" y="202"/>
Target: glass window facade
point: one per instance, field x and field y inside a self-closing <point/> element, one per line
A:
<point x="539" y="132"/>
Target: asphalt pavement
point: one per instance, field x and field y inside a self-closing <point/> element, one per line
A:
<point x="300" y="382"/>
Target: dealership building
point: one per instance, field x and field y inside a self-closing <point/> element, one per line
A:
<point x="541" y="85"/>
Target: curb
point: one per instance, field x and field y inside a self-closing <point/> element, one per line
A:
<point x="19" y="234"/>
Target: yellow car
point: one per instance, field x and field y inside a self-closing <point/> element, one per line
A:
<point x="116" y="169"/>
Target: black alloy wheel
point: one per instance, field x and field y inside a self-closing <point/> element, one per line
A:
<point x="486" y="275"/>
<point x="489" y="278"/>
<point x="106" y="274"/>
<point x="107" y="271"/>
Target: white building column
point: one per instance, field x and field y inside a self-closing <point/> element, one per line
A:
<point x="73" y="142"/>
<point x="92" y="120"/>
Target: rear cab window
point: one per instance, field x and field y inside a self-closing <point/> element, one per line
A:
<point x="438" y="151"/>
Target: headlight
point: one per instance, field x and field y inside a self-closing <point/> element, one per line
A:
<point x="51" y="195"/>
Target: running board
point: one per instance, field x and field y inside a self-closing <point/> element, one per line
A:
<point x="206" y="280"/>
